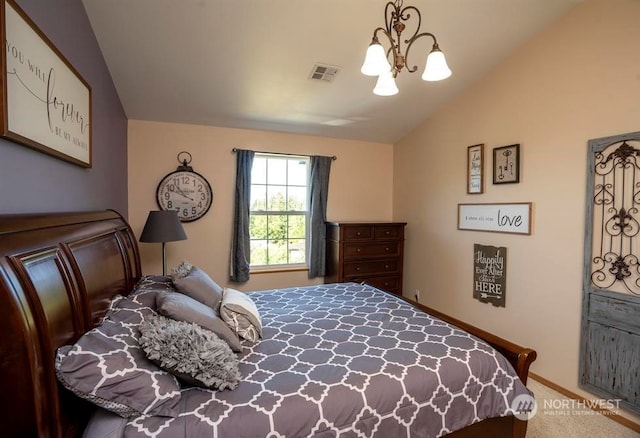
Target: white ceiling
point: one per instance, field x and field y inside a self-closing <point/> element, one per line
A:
<point x="246" y="63"/>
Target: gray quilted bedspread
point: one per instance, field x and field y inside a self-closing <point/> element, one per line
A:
<point x="347" y="360"/>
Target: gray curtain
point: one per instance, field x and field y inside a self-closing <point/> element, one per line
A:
<point x="241" y="245"/>
<point x="318" y="194"/>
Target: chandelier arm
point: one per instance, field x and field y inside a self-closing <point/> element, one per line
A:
<point x="404" y="16"/>
<point x="388" y="17"/>
<point x="410" y="42"/>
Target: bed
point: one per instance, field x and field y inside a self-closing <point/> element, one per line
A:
<point x="59" y="273"/>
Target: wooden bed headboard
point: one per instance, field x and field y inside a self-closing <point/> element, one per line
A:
<point x="58" y="273"/>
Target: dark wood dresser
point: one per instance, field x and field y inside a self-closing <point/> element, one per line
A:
<point x="369" y="252"/>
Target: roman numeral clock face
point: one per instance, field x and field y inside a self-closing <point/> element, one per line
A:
<point x="186" y="192"/>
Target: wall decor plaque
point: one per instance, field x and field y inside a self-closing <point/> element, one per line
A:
<point x="475" y="169"/>
<point x="46" y="104"/>
<point x="500" y="218"/>
<point x="490" y="274"/>
<point x="506" y="164"/>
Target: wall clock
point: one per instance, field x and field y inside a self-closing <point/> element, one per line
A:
<point x="506" y="164"/>
<point x="185" y="191"/>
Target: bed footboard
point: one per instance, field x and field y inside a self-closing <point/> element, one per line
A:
<point x="520" y="357"/>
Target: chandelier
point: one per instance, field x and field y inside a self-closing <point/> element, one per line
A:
<point x="376" y="62"/>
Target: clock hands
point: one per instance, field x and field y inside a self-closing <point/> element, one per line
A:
<point x="179" y="190"/>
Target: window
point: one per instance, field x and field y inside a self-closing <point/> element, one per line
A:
<point x="279" y="210"/>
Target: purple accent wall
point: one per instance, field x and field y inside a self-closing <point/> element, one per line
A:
<point x="32" y="181"/>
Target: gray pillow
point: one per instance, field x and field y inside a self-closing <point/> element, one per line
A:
<point x="192" y="354"/>
<point x="241" y="314"/>
<point x="104" y="424"/>
<point x="107" y="367"/>
<point x="148" y="287"/>
<point x="194" y="282"/>
<point x="183" y="308"/>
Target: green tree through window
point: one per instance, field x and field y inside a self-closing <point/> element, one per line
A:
<point x="278" y="217"/>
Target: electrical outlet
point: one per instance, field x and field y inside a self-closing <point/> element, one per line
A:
<point x="417" y="294"/>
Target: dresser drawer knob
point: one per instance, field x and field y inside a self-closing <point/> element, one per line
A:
<point x="358" y="233"/>
<point x="386" y="266"/>
<point x="387" y="233"/>
<point x="358" y="250"/>
<point x="357" y="268"/>
<point x="387" y="249"/>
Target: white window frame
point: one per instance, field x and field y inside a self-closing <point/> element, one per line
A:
<point x="305" y="213"/>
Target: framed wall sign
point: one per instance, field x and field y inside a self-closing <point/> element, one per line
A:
<point x="475" y="169"/>
<point x="45" y="103"/>
<point x="499" y="218"/>
<point x="506" y="164"/>
<point x="490" y="274"/>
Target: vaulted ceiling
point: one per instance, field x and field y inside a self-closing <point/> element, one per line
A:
<point x="247" y="63"/>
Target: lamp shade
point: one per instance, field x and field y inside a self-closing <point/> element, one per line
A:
<point x="386" y="85"/>
<point x="375" y="61"/>
<point x="162" y="226"/>
<point x="436" y="68"/>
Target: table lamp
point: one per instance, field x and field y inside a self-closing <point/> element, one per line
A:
<point x="163" y="226"/>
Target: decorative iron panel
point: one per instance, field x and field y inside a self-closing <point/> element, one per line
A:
<point x="615" y="263"/>
<point x="610" y="339"/>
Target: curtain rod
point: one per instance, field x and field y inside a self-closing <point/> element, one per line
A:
<point x="333" y="157"/>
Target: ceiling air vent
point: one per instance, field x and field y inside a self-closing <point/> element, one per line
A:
<point x="323" y="72"/>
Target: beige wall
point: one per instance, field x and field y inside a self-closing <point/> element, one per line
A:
<point x="578" y="80"/>
<point x="360" y="188"/>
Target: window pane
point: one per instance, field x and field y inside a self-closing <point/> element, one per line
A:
<point x="296" y="251"/>
<point x="259" y="252"/>
<point x="258" y="197"/>
<point x="276" y="198"/>
<point x="277" y="226"/>
<point x="297" y="199"/>
<point x="276" y="171"/>
<point x="277" y="252"/>
<point x="259" y="170"/>
<point x="297" y="173"/>
<point x="258" y="227"/>
<point x="297" y="227"/>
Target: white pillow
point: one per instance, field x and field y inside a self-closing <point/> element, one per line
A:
<point x="241" y="314"/>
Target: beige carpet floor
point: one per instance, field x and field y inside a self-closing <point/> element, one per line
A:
<point x="561" y="423"/>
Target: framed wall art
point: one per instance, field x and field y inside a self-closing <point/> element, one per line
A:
<point x="506" y="164"/>
<point x="45" y="103"/>
<point x="475" y="169"/>
<point x="500" y="218"/>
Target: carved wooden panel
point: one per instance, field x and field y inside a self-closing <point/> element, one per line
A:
<point x="99" y="260"/>
<point x="47" y="280"/>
